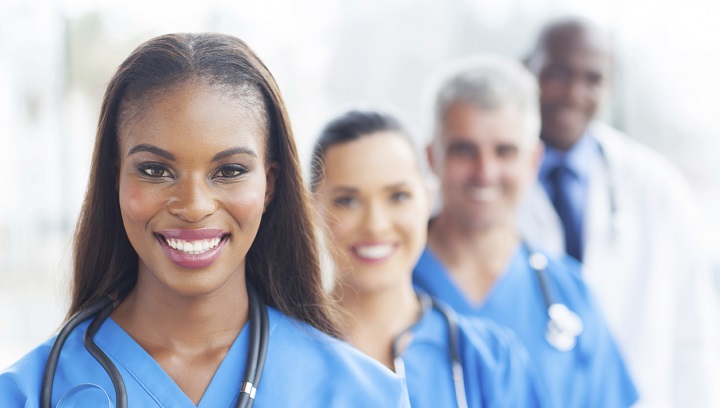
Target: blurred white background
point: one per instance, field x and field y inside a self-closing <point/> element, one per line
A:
<point x="56" y="58"/>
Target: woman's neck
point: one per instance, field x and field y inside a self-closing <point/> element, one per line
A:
<point x="377" y="317"/>
<point x="475" y="258"/>
<point x="187" y="335"/>
<point x="161" y="319"/>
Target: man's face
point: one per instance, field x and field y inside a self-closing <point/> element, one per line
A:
<point x="572" y="81"/>
<point x="484" y="162"/>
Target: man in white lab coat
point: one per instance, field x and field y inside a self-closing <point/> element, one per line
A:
<point x="627" y="214"/>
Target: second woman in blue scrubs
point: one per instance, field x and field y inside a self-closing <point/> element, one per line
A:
<point x="369" y="189"/>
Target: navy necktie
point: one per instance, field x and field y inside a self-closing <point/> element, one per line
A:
<point x="562" y="180"/>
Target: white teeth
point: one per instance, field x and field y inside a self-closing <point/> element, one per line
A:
<point x="374" y="251"/>
<point x="485" y="193"/>
<point x="193" y="247"/>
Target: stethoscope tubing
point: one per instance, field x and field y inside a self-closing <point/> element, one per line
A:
<point x="569" y="330"/>
<point x="54" y="356"/>
<point x="102" y="358"/>
<point x="427" y="302"/>
<point x="102" y="307"/>
<point x="454" y="338"/>
<point x="255" y="364"/>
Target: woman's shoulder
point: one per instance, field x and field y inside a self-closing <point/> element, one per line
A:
<point x="302" y="340"/>
<point x="20" y="383"/>
<point x="297" y="349"/>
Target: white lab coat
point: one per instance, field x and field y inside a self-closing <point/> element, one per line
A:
<point x="647" y="268"/>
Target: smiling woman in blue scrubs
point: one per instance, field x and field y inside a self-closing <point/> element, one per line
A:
<point x="486" y="152"/>
<point x="195" y="197"/>
<point x="369" y="190"/>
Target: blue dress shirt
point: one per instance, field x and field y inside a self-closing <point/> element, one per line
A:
<point x="572" y="169"/>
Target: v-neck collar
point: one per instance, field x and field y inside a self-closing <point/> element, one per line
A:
<point x="442" y="282"/>
<point x="122" y="348"/>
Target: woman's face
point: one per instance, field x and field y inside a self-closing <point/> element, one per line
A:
<point x="193" y="185"/>
<point x="375" y="206"/>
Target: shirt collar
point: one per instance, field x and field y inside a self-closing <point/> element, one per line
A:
<point x="577" y="159"/>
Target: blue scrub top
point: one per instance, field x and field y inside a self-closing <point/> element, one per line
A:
<point x="496" y="366"/>
<point x="304" y="368"/>
<point x="592" y="374"/>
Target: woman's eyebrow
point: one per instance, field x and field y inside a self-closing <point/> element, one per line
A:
<point x="152" y="149"/>
<point x="344" y="189"/>
<point x="395" y="186"/>
<point x="233" y="151"/>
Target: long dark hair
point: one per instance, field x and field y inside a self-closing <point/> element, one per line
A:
<point x="283" y="261"/>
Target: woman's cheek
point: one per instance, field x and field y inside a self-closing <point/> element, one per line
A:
<point x="244" y="199"/>
<point x="139" y="203"/>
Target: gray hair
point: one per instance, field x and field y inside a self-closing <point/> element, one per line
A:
<point x="489" y="82"/>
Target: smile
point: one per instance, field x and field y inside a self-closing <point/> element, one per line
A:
<point x="192" y="248"/>
<point x="373" y="253"/>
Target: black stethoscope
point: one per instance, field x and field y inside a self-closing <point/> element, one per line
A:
<point x="426" y="302"/>
<point x="564" y="326"/>
<point x="103" y="307"/>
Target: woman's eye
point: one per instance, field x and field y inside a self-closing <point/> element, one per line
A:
<point x="345" y="202"/>
<point x="230" y="171"/>
<point x="154" y="170"/>
<point x="400" y="196"/>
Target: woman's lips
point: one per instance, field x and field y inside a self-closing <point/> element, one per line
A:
<point x="192" y="248"/>
<point x="373" y="253"/>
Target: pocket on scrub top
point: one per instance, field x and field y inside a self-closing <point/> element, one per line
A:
<point x="86" y="395"/>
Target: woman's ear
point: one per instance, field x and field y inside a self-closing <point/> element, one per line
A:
<point x="271" y="172"/>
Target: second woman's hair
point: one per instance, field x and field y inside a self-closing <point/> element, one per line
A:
<point x="347" y="127"/>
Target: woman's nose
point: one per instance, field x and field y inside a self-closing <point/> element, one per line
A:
<point x="376" y="218"/>
<point x="194" y="200"/>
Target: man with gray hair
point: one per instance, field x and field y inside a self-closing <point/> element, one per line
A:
<point x="485" y="151"/>
<point x="626" y="213"/>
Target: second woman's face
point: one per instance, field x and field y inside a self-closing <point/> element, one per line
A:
<point x="193" y="184"/>
<point x="375" y="205"/>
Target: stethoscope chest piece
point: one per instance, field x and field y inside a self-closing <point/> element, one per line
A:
<point x="563" y="327"/>
<point x="86" y="395"/>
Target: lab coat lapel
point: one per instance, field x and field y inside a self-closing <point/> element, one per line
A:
<point x="611" y="243"/>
